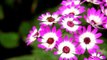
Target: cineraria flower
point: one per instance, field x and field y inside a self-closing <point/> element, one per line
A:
<point x="70" y="23"/>
<point x="105" y="2"/>
<point x="66" y="48"/>
<point x="96" y="56"/>
<point x="94" y="1"/>
<point x="48" y="19"/>
<point x="104" y="10"/>
<point x="32" y="36"/>
<point x="105" y="24"/>
<point x="48" y="38"/>
<point x="88" y="39"/>
<point x="71" y="9"/>
<point x="94" y="17"/>
<point x="69" y="2"/>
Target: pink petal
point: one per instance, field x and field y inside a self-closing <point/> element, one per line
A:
<point x="98" y="35"/>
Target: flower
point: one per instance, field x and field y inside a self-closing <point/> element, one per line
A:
<point x="88" y="39"/>
<point x="105" y="24"/>
<point x="71" y="9"/>
<point x="32" y="36"/>
<point x="96" y="56"/>
<point x="49" y="37"/>
<point x="103" y="9"/>
<point x="94" y="17"/>
<point x="104" y="2"/>
<point x="69" y="2"/>
<point x="66" y="48"/>
<point x="70" y="23"/>
<point x="48" y="19"/>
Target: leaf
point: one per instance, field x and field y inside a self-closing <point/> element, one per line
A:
<point x="26" y="57"/>
<point x="24" y="29"/>
<point x="9" y="40"/>
<point x="53" y="9"/>
<point x="1" y="13"/>
<point x="41" y="54"/>
<point x="103" y="47"/>
<point x="9" y="2"/>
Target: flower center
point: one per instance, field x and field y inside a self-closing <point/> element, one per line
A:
<point x="72" y="13"/>
<point x="36" y="34"/>
<point x="50" y="19"/>
<point x="93" y="22"/>
<point x="70" y="23"/>
<point x="50" y="40"/>
<point x="87" y="40"/>
<point x="66" y="49"/>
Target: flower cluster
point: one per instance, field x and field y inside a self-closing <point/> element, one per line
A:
<point x="80" y="39"/>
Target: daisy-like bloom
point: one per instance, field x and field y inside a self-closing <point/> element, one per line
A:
<point x="88" y="39"/>
<point x="71" y="9"/>
<point x="49" y="19"/>
<point x="48" y="38"/>
<point x="97" y="2"/>
<point x="70" y="23"/>
<point x="96" y="56"/>
<point x="69" y="2"/>
<point x="66" y="48"/>
<point x="104" y="2"/>
<point x="103" y="9"/>
<point x="32" y="36"/>
<point x="105" y="24"/>
<point x="94" y="17"/>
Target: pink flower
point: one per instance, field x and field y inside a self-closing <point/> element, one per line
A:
<point x="32" y="36"/>
<point x="94" y="17"/>
<point x="71" y="9"/>
<point x="69" y="2"/>
<point x="49" y="19"/>
<point x="70" y="23"/>
<point x="88" y="39"/>
<point x="96" y="56"/>
<point x="49" y="37"/>
<point x="66" y="48"/>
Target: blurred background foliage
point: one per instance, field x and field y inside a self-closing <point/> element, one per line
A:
<point x="16" y="19"/>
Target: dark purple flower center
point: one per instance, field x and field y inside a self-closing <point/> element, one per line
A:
<point x="36" y="34"/>
<point x="70" y="23"/>
<point x="66" y="49"/>
<point x="50" y="19"/>
<point x="92" y="21"/>
<point x="87" y="40"/>
<point x="72" y="13"/>
<point x="50" y="40"/>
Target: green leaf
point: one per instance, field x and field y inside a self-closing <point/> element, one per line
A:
<point x="26" y="57"/>
<point x="24" y="29"/>
<point x="9" y="2"/>
<point x="9" y="40"/>
<point x="53" y="9"/>
<point x="41" y="54"/>
<point x="103" y="47"/>
<point x="1" y="13"/>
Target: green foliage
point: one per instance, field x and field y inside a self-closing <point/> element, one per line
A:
<point x="9" y="2"/>
<point x="25" y="57"/>
<point x="9" y="40"/>
<point x="41" y="54"/>
<point x="103" y="47"/>
<point x="24" y="29"/>
<point x="1" y="13"/>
